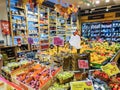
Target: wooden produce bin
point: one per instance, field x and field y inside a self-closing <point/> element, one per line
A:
<point x="12" y="74"/>
<point x="76" y="57"/>
<point x="45" y="85"/>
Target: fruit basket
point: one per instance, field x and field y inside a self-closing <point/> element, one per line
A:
<point x="98" y="65"/>
<point x="101" y="75"/>
<point x="80" y="76"/>
<point x="65" y="77"/>
<point x="61" y="81"/>
<point x="38" y="77"/>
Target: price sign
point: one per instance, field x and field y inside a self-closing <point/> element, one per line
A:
<point x="111" y="69"/>
<point x="82" y="85"/>
<point x="83" y="64"/>
<point x="30" y="40"/>
<point x="58" y="41"/>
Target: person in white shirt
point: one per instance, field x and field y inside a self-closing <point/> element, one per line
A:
<point x="75" y="41"/>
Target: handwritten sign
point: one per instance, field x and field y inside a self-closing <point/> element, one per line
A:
<point x="111" y="69"/>
<point x="83" y="64"/>
<point x="82" y="85"/>
<point x="58" y="41"/>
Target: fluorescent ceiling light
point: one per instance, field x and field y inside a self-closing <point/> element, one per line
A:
<point x="97" y="1"/>
<point x="88" y="4"/>
<point x="107" y="1"/>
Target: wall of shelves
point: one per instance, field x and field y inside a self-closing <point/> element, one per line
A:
<point x="44" y="28"/>
<point x="52" y="24"/>
<point x="33" y="26"/>
<point x="17" y="16"/>
<point x="40" y="25"/>
<point x="61" y="26"/>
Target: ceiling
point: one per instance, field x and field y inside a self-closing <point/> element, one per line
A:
<point x="83" y="5"/>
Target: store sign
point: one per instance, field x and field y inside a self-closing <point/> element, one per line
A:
<point x="82" y="85"/>
<point x="93" y="17"/>
<point x="111" y="69"/>
<point x="5" y="27"/>
<point x="58" y="41"/>
<point x="83" y="64"/>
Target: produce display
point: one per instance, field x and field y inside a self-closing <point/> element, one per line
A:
<point x="37" y="76"/>
<point x="41" y="76"/>
<point x="103" y="82"/>
<point x="14" y="65"/>
<point x="99" y="53"/>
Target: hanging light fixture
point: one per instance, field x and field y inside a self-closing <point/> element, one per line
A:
<point x="88" y="4"/>
<point x="97" y="1"/>
<point x="107" y="1"/>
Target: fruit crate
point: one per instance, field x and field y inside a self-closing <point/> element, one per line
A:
<point x="80" y="76"/>
<point x="66" y="80"/>
<point x="24" y="86"/>
<point x="44" y="85"/>
<point x="9" y="76"/>
<point x="97" y="66"/>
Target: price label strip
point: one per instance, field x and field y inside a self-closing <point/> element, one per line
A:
<point x="110" y="69"/>
<point x="82" y="85"/>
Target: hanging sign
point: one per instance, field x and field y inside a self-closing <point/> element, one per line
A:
<point x="92" y="17"/>
<point x="82" y="85"/>
<point x="58" y="41"/>
<point x="5" y="27"/>
<point x="83" y="64"/>
<point x="111" y="69"/>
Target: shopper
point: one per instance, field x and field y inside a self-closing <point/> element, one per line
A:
<point x="75" y="41"/>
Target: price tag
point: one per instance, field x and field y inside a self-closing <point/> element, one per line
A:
<point x="82" y="85"/>
<point x="58" y="41"/>
<point x="30" y="40"/>
<point x="111" y="69"/>
<point x="83" y="64"/>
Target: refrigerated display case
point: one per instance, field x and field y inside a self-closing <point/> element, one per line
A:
<point x="106" y="30"/>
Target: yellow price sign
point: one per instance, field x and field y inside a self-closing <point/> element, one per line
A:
<point x="110" y="69"/>
<point x="82" y="85"/>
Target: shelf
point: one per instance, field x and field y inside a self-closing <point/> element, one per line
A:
<point x="36" y="49"/>
<point x="18" y="7"/>
<point x="61" y="34"/>
<point x="18" y="15"/>
<point x="19" y="29"/>
<point x="44" y="44"/>
<point x="61" y="30"/>
<point x="22" y="51"/>
<point x="22" y="44"/>
<point x="32" y="13"/>
<point x="32" y="20"/>
<point x="19" y="23"/>
<point x="53" y="30"/>
<point x="11" y="58"/>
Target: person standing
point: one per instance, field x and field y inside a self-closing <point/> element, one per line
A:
<point x="75" y="41"/>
